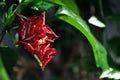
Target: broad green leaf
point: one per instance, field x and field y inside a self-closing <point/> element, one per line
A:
<point x="39" y="4"/>
<point x="3" y="72"/>
<point x="42" y="4"/>
<point x="67" y="3"/>
<point x="46" y="4"/>
<point x="9" y="56"/>
<point x="100" y="53"/>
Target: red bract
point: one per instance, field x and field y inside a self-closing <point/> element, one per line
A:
<point x="35" y="37"/>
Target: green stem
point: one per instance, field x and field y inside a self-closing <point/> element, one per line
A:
<point x="3" y="73"/>
<point x="101" y="9"/>
<point x="103" y="17"/>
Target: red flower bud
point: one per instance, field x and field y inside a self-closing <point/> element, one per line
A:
<point x="35" y="37"/>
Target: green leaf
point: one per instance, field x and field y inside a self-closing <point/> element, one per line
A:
<point x="59" y="2"/>
<point x="10" y="10"/>
<point x="39" y="4"/>
<point x="3" y="72"/>
<point x="9" y="56"/>
<point x="7" y="18"/>
<point x="2" y="3"/>
<point x="42" y="4"/>
<point x="67" y="3"/>
<point x="26" y="2"/>
<point x="10" y="15"/>
<point x="100" y="53"/>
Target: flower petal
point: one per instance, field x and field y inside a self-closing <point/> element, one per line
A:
<point x="35" y="37"/>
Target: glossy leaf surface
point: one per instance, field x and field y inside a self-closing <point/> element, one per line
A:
<point x="99" y="51"/>
<point x="67" y="3"/>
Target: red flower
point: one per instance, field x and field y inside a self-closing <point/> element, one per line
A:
<point x="35" y="37"/>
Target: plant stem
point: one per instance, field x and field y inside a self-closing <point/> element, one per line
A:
<point x="103" y="18"/>
<point x="101" y="9"/>
<point x="3" y="72"/>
